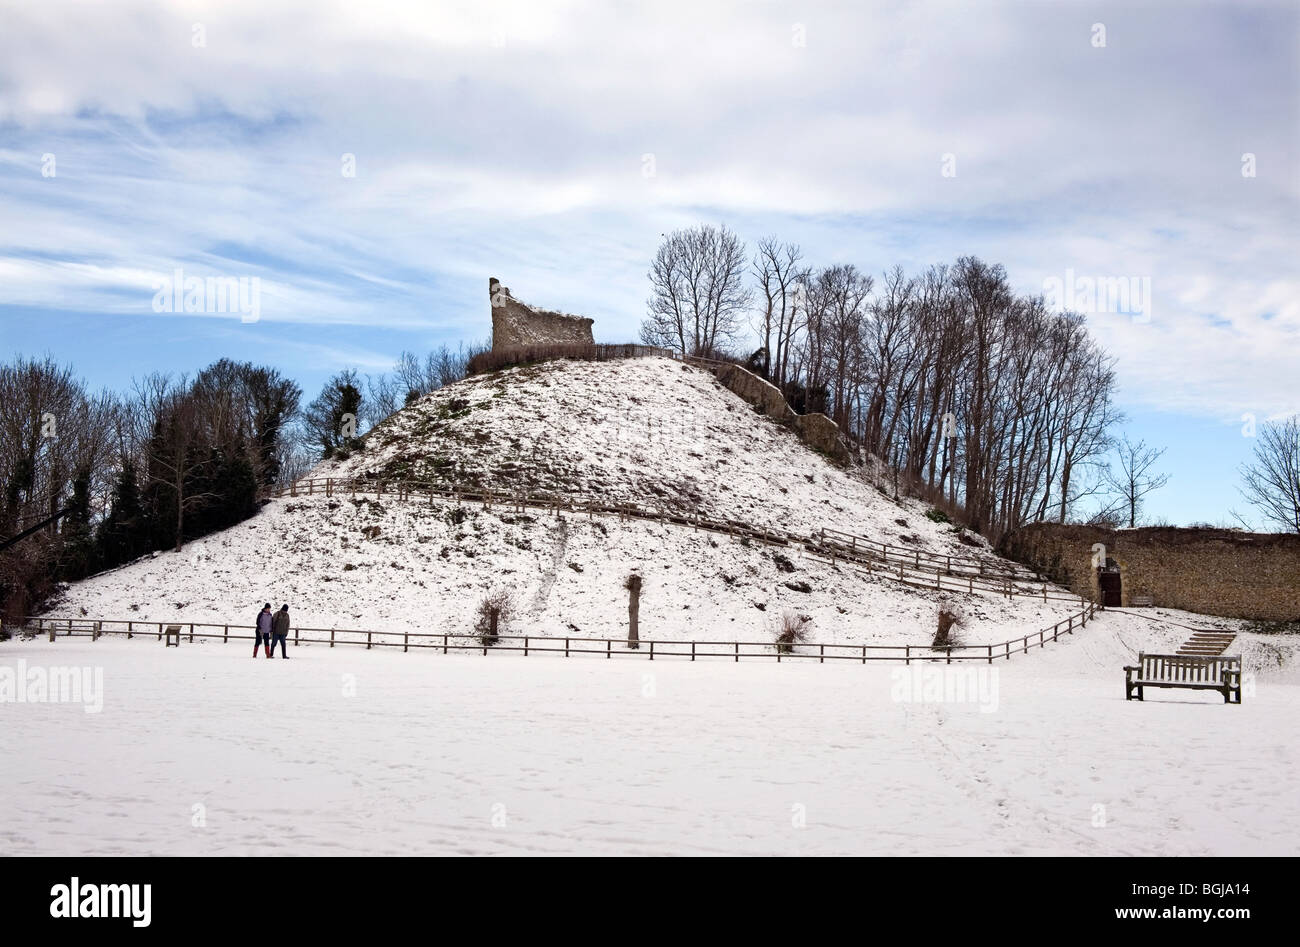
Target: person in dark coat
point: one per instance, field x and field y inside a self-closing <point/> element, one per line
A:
<point x="264" y="622"/>
<point x="280" y="631"/>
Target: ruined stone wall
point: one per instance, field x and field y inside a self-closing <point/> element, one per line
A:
<point x="816" y="430"/>
<point x="757" y="391"/>
<point x="821" y="433"/>
<point x="516" y="323"/>
<point x="1212" y="571"/>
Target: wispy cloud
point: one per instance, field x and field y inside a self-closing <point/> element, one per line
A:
<point x="551" y="144"/>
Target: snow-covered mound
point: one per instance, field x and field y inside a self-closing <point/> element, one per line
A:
<point x="648" y="431"/>
<point x="385" y="565"/>
<point x="627" y="431"/>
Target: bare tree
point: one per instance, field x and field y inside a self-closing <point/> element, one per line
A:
<point x="776" y="270"/>
<point x="1135" y="479"/>
<point x="698" y="292"/>
<point x="1271" y="482"/>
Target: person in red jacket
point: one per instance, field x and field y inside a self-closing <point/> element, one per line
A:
<point x="264" y="622"/>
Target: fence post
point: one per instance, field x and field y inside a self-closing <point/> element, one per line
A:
<point x="444" y="642"/>
<point x="160" y="631"/>
<point x="406" y="641"/>
<point x="652" y="651"/>
<point x="129" y="626"/>
<point x="907" y="654"/>
<point x="566" y="647"/>
<point x="331" y="637"/>
<point x="609" y="644"/>
<point x="367" y="641"/>
<point x="191" y="632"/>
<point x="692" y="650"/>
<point x="990" y="654"/>
<point x="525" y="646"/>
<point x="225" y="634"/>
<point x="737" y="652"/>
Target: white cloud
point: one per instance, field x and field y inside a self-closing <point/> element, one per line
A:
<point x="507" y="140"/>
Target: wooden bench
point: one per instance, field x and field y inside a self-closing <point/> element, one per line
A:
<point x="173" y="631"/>
<point x="1222" y="674"/>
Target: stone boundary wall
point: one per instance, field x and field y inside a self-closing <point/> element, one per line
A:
<point x="1212" y="571"/>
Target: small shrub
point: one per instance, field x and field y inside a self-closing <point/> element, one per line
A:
<point x="494" y="613"/>
<point x="1263" y="627"/>
<point x="937" y="516"/>
<point x="798" y="587"/>
<point x="794" y="629"/>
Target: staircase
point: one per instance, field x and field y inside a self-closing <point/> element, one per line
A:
<point x="1207" y="643"/>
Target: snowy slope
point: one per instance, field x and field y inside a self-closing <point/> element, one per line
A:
<point x="627" y="430"/>
<point x="379" y="564"/>
<point x="644" y="430"/>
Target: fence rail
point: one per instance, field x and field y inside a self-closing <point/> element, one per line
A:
<point x="448" y="642"/>
<point x="910" y="567"/>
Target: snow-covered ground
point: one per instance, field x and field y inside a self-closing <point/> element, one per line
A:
<point x="204" y="750"/>
<point x="195" y="750"/>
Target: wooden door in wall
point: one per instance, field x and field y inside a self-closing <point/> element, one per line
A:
<point x="1110" y="587"/>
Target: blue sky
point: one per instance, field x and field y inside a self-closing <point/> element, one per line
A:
<point x="514" y="140"/>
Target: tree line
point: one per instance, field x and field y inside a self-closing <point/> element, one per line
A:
<point x="980" y="399"/>
<point x="170" y="460"/>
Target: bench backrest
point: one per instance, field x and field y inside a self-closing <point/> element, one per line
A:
<point x="1193" y="669"/>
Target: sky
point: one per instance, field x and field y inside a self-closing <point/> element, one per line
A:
<point x="372" y="165"/>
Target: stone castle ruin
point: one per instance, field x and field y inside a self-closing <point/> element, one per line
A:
<point x="523" y="328"/>
<point x="515" y="323"/>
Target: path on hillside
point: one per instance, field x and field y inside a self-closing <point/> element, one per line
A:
<point x="909" y="567"/>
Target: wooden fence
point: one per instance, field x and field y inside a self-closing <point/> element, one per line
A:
<point x="908" y="566"/>
<point x="447" y="642"/>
